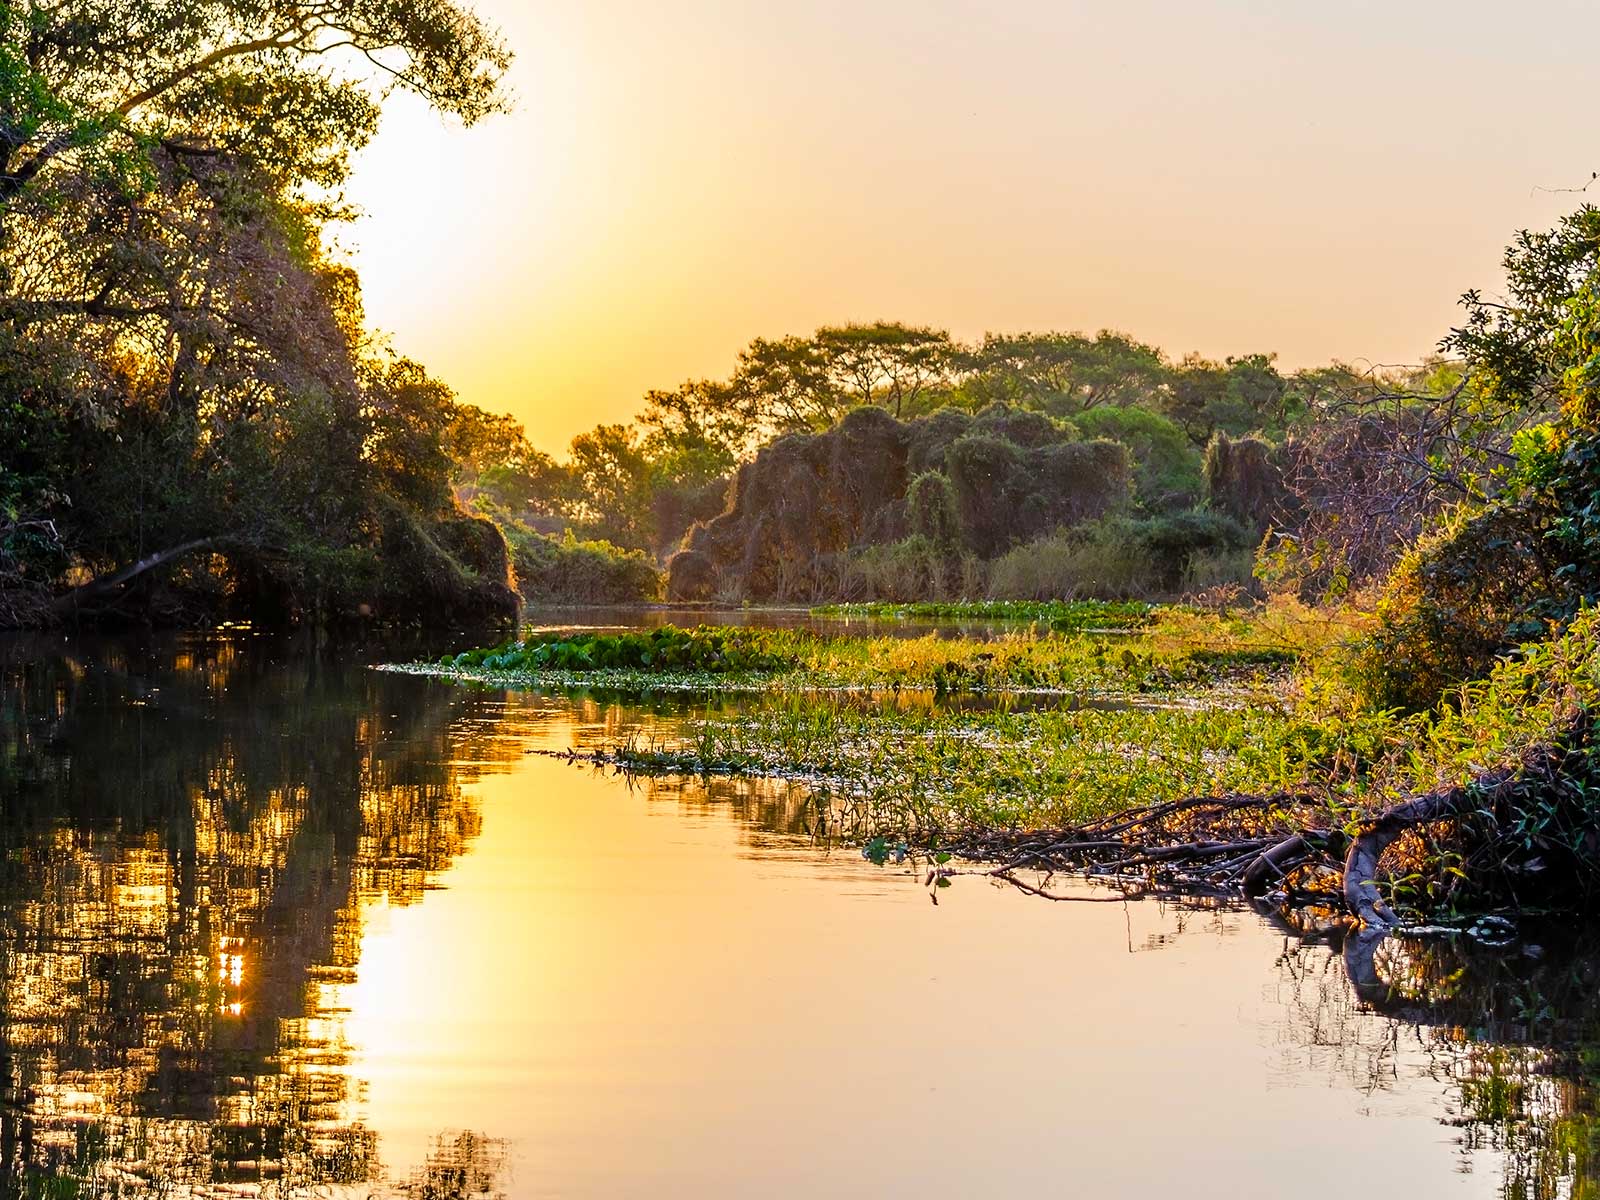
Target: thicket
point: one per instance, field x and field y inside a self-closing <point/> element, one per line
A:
<point x="1521" y="563"/>
<point x="897" y="509"/>
<point x="1129" y="557"/>
<point x="644" y="485"/>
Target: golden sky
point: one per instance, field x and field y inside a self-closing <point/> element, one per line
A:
<point x="1321" y="180"/>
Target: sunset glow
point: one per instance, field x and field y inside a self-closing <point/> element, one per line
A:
<point x="1230" y="178"/>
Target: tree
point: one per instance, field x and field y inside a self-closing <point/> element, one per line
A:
<point x="1237" y="396"/>
<point x="1066" y="373"/>
<point x="896" y="366"/>
<point x="784" y="386"/>
<point x="610" y="475"/>
<point x="702" y="428"/>
<point x="108" y="86"/>
<point x="806" y="384"/>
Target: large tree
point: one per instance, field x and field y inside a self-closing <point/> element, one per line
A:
<point x="805" y="384"/>
<point x="169" y="321"/>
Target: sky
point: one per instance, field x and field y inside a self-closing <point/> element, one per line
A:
<point x="1224" y="176"/>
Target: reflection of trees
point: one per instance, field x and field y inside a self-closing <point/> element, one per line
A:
<point x="1513" y="1030"/>
<point x="188" y="830"/>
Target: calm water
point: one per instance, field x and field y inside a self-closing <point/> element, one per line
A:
<point x="275" y="924"/>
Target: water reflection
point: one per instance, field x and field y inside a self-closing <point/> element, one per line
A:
<point x="275" y="924"/>
<point x="190" y="827"/>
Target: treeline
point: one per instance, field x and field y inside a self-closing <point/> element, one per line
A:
<point x="195" y="422"/>
<point x="647" y="488"/>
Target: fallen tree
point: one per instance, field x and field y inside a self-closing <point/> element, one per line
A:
<point x="1520" y="837"/>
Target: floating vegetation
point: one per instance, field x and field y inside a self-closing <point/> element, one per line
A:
<point x="714" y="650"/>
<point x="1295" y="796"/>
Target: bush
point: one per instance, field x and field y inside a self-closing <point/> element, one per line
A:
<point x="916" y="568"/>
<point x="567" y="571"/>
<point x="1180" y="542"/>
<point x="1244" y="479"/>
<point x="1455" y="601"/>
<point x="1068" y="565"/>
<point x="1120" y="557"/>
<point x="1007" y="494"/>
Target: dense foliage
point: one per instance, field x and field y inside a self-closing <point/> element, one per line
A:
<point x="567" y="570"/>
<point x="643" y="485"/>
<point x="1521" y="562"/>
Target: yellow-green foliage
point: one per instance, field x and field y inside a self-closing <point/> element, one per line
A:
<point x="1522" y="701"/>
<point x="915" y="568"/>
<point x="1120" y="557"/>
<point x="1457" y="599"/>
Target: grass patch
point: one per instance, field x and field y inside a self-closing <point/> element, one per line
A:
<point x="935" y="773"/>
<point x="931" y="774"/>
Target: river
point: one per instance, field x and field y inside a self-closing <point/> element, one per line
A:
<point x="276" y="924"/>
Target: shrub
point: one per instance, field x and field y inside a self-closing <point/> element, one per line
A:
<point x="915" y="568"/>
<point x="1120" y="557"/>
<point x="1454" y="602"/>
<point x="1244" y="479"/>
<point x="1022" y="426"/>
<point x="567" y="571"/>
<point x="1007" y="494"/>
<point x="1178" y="542"/>
<point x="1071" y="564"/>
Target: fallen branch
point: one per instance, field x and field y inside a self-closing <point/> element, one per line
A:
<point x="108" y="584"/>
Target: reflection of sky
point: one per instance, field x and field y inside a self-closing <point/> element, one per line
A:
<point x="616" y="982"/>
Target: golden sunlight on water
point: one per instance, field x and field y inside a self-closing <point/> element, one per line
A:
<point x="643" y="998"/>
<point x="275" y="925"/>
